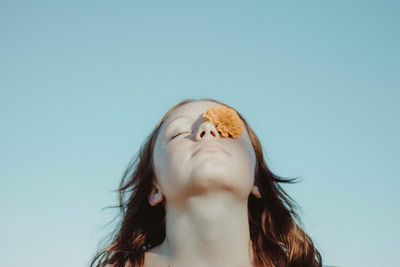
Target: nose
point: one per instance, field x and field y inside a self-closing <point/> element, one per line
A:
<point x="207" y="131"/>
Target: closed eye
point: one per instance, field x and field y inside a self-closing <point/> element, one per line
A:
<point x="177" y="135"/>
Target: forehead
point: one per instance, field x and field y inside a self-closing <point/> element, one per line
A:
<point x="193" y="110"/>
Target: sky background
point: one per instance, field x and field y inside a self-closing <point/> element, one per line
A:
<point x="82" y="84"/>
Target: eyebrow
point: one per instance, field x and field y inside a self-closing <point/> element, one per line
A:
<point x="179" y="117"/>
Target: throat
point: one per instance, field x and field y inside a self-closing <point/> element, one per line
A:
<point x="212" y="232"/>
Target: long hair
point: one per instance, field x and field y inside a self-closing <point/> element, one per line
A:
<point x="276" y="235"/>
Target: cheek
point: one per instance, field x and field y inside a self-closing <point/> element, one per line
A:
<point x="162" y="164"/>
<point x="169" y="164"/>
<point x="245" y="156"/>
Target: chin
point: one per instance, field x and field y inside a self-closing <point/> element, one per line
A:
<point x="213" y="175"/>
<point x="211" y="168"/>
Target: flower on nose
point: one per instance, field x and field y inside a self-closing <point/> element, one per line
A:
<point x="226" y="120"/>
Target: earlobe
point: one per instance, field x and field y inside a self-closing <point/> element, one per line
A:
<point x="155" y="196"/>
<point x="256" y="192"/>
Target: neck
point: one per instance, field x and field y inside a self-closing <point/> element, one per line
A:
<point x="208" y="230"/>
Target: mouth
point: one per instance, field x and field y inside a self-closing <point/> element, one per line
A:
<point x="210" y="147"/>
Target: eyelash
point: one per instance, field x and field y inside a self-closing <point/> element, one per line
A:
<point x="177" y="135"/>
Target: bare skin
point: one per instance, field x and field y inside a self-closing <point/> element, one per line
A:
<point x="205" y="193"/>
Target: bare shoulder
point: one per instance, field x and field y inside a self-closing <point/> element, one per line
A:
<point x="113" y="265"/>
<point x="152" y="258"/>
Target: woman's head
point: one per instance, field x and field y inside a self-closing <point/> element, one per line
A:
<point x="191" y="157"/>
<point x="174" y="163"/>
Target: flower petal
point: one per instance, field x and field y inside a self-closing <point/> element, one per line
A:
<point x="226" y="120"/>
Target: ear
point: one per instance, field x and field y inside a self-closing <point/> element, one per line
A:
<point x="256" y="192"/>
<point x="155" y="196"/>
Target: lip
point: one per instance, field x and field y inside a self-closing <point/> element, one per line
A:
<point x="210" y="145"/>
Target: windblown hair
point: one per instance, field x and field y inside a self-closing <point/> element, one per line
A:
<point x="276" y="236"/>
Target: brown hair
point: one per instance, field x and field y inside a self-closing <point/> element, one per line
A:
<point x="275" y="232"/>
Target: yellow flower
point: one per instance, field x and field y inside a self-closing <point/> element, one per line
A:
<point x="226" y="120"/>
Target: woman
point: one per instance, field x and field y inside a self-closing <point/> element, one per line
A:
<point x="200" y="194"/>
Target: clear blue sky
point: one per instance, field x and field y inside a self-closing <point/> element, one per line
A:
<point x="82" y="83"/>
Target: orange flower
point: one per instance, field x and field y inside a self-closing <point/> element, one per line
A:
<point x="226" y="120"/>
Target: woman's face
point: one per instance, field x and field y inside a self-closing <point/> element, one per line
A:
<point x="199" y="160"/>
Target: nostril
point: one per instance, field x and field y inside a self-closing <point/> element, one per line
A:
<point x="211" y="132"/>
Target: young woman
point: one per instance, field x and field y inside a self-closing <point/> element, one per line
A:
<point x="199" y="194"/>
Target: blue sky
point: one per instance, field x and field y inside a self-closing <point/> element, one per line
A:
<point x="84" y="82"/>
